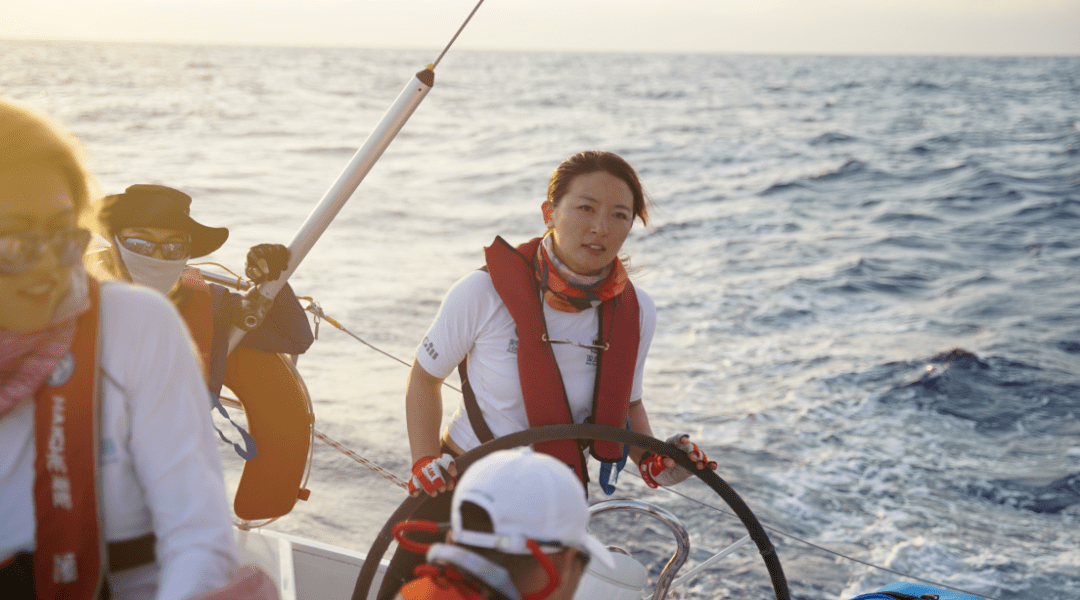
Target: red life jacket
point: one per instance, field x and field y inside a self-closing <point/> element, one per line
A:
<point x="69" y="561"/>
<point x="542" y="387"/>
<point x="198" y="313"/>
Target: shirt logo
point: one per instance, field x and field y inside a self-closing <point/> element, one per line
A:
<point x="55" y="460"/>
<point x="63" y="371"/>
<point x="430" y="349"/>
<point x="594" y="354"/>
<point x="65" y="569"/>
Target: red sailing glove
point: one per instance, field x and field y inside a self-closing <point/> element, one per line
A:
<point x="656" y="474"/>
<point x="431" y="473"/>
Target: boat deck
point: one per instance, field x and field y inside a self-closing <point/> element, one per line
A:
<point x="305" y="569"/>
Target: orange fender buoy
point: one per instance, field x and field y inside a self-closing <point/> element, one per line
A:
<point x="281" y="421"/>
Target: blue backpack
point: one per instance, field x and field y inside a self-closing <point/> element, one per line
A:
<point x="914" y="591"/>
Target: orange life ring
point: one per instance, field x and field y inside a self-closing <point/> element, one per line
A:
<point x="280" y="419"/>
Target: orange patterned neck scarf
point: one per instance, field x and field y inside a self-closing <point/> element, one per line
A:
<point x="568" y="291"/>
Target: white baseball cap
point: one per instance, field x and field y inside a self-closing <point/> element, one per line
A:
<point x="528" y="495"/>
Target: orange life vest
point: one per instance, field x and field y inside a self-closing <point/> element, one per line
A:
<point x="542" y="387"/>
<point x="69" y="561"/>
<point x="439" y="588"/>
<point x="277" y="406"/>
<point x="448" y="577"/>
<point x="198" y="313"/>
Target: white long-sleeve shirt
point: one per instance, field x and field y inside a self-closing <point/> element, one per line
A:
<point x="160" y="470"/>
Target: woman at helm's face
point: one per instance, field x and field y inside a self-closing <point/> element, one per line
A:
<point x="591" y="221"/>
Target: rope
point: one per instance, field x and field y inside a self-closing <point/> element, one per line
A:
<point x="387" y="475"/>
<point x="314" y="308"/>
<point x="467" y="19"/>
<point x="827" y="551"/>
<point x="241" y="283"/>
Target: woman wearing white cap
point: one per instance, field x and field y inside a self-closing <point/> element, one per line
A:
<point x="518" y="531"/>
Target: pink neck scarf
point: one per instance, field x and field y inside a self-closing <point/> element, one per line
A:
<point x="27" y="358"/>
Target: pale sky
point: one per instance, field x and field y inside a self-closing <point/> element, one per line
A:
<point x="949" y="27"/>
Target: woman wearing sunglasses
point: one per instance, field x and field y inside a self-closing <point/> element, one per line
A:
<point x="110" y="478"/>
<point x="551" y="331"/>
<point x="153" y="236"/>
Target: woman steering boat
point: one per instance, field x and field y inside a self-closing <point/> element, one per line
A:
<point x="551" y="331"/>
<point x="110" y="479"/>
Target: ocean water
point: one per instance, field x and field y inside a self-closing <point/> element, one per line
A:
<point x="826" y="230"/>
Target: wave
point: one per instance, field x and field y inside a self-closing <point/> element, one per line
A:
<point x="1050" y="498"/>
<point x="897" y="218"/>
<point x="1070" y="346"/>
<point x="925" y="86"/>
<point x="1062" y="210"/>
<point x="995" y="393"/>
<point x="831" y="137"/>
<point x="781" y="187"/>
<point x="327" y="150"/>
<point x="849" y="169"/>
<point x="876" y="276"/>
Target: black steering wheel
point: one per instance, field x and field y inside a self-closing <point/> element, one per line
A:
<point x="592" y="432"/>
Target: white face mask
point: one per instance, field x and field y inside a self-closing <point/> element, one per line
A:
<point x="155" y="273"/>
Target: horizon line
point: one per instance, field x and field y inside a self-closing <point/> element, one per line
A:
<point x="468" y="48"/>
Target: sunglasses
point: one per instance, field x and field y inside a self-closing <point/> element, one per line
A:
<point x="20" y="251"/>
<point x="169" y="250"/>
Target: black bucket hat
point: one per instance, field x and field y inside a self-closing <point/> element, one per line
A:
<point x="159" y="206"/>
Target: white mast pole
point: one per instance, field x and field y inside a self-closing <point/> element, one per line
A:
<point x="339" y="193"/>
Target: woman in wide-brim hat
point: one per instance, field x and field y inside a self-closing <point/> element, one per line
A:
<point x="110" y="477"/>
<point x="153" y="235"/>
<point x="165" y="214"/>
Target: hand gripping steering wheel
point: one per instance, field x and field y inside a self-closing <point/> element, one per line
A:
<point x="593" y="432"/>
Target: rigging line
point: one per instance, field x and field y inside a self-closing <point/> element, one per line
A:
<point x="460" y="29"/>
<point x="240" y="283"/>
<point x="342" y="448"/>
<point x="314" y="308"/>
<point x="828" y="551"/>
<point x="387" y="475"/>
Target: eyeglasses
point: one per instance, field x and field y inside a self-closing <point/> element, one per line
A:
<point x="169" y="250"/>
<point x="20" y="251"/>
<point x="544" y="337"/>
